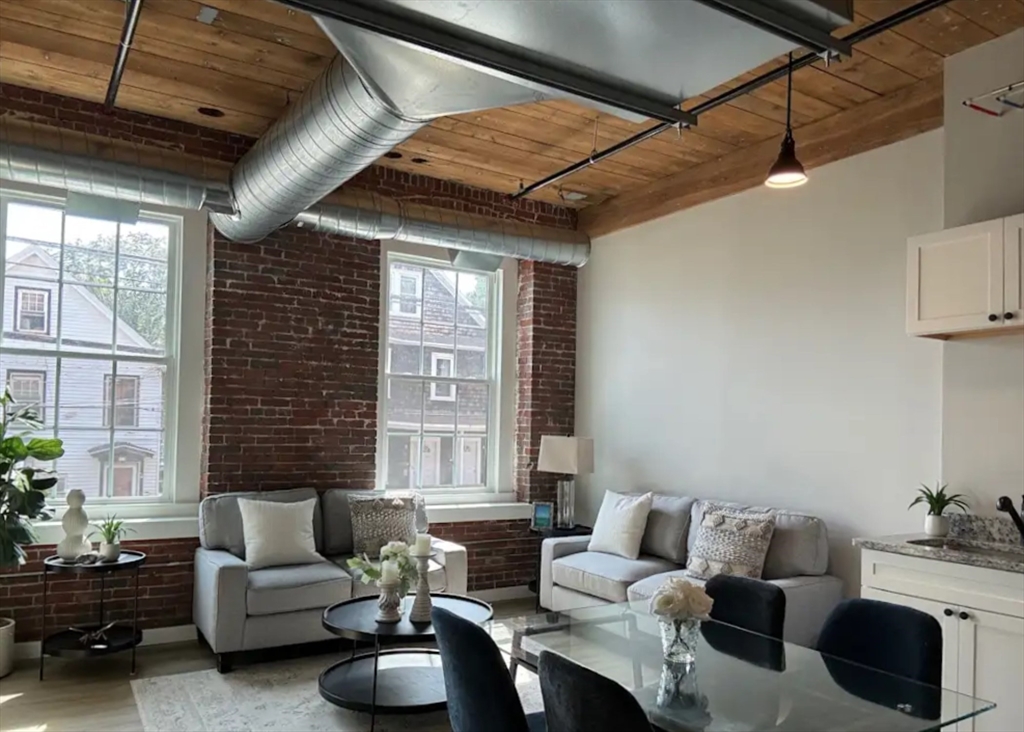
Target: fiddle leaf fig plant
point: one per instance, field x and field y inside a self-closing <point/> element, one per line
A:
<point x="938" y="500"/>
<point x="23" y="488"/>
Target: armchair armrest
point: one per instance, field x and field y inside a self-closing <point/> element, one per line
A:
<point x="453" y="558"/>
<point x="552" y="549"/>
<point x="218" y="599"/>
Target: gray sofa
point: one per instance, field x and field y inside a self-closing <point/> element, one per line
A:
<point x="797" y="561"/>
<point x="237" y="609"/>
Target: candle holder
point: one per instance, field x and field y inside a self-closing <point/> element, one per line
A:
<point x="422" y="605"/>
<point x="389" y="604"/>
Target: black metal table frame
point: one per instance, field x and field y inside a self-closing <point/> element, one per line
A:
<point x="356" y="636"/>
<point x="103" y="569"/>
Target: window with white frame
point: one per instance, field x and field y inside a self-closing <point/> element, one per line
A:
<point x="31" y="310"/>
<point x="88" y="332"/>
<point x="440" y="378"/>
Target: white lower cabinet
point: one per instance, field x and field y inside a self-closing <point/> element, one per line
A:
<point x="981" y="612"/>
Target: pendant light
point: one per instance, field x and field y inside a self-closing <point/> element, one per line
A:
<point x="787" y="172"/>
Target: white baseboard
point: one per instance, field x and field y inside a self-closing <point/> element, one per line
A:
<point x="521" y="592"/>
<point x="150" y="637"/>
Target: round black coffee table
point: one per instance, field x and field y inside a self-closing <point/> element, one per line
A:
<point x="394" y="681"/>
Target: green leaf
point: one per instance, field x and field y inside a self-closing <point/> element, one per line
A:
<point x="45" y="448"/>
<point x="44" y="484"/>
<point x="14" y="448"/>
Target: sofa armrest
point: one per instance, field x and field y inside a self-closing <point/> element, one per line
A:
<point x="218" y="598"/>
<point x="453" y="558"/>
<point x="550" y="550"/>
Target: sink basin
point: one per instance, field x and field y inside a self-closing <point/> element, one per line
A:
<point x="1010" y="553"/>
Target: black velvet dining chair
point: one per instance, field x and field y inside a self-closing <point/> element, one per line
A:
<point x="577" y="699"/>
<point x="902" y="642"/>
<point x="481" y="694"/>
<point x="751" y="605"/>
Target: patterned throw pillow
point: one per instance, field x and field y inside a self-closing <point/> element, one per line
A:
<point x="376" y="520"/>
<point x="730" y="542"/>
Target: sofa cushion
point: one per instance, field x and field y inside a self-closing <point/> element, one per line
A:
<point x="378" y="519"/>
<point x="436" y="578"/>
<point x="799" y="543"/>
<point x="730" y="542"/>
<point x="220" y="520"/>
<point x="296" y="587"/>
<point x="643" y="590"/>
<point x="337" y="520"/>
<point x="620" y="524"/>
<point x="278" y="534"/>
<point x="667" y="525"/>
<point x="605" y="575"/>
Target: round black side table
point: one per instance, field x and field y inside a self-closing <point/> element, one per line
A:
<point x="93" y="639"/>
<point x="399" y="681"/>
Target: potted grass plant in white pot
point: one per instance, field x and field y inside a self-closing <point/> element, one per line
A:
<point x="23" y="489"/>
<point x="111" y="531"/>
<point x="936" y="523"/>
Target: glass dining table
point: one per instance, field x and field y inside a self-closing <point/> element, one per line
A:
<point x="738" y="680"/>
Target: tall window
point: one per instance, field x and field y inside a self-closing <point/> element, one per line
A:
<point x="87" y="335"/>
<point x="440" y="377"/>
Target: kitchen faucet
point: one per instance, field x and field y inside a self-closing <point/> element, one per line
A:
<point x="1005" y="505"/>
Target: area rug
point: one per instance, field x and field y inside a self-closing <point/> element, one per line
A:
<point x="273" y="697"/>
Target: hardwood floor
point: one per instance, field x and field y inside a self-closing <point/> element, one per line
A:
<point x="96" y="695"/>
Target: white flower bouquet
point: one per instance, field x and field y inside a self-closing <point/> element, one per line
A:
<point x="678" y="599"/>
<point x="393" y="551"/>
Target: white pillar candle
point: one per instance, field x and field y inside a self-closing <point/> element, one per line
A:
<point x="422" y="544"/>
<point x="389" y="571"/>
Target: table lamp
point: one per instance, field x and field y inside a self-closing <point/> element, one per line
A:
<point x="567" y="456"/>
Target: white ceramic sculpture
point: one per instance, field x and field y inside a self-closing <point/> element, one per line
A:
<point x="75" y="523"/>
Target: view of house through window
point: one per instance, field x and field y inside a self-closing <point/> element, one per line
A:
<point x="440" y="376"/>
<point x="85" y="338"/>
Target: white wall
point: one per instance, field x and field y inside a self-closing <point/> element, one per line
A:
<point x="983" y="383"/>
<point x="754" y="349"/>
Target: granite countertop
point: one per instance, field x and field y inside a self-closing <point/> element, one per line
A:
<point x="1005" y="557"/>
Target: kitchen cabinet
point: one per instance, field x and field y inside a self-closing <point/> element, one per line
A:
<point x="981" y="612"/>
<point x="967" y="280"/>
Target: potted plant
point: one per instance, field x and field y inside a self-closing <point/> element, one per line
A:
<point x="935" y="523"/>
<point x="23" y="489"/>
<point x="111" y="531"/>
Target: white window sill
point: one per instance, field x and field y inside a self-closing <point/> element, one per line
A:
<point x="455" y="512"/>
<point x="142" y="529"/>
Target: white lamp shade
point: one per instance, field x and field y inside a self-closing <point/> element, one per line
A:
<point x="566" y="455"/>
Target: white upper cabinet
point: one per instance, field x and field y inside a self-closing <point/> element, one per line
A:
<point x="966" y="280"/>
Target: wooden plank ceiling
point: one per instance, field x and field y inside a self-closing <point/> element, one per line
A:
<point x="257" y="56"/>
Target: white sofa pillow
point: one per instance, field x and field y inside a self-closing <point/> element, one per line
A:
<point x="620" y="524"/>
<point x="278" y="533"/>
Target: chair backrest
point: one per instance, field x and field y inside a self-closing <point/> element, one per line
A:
<point x="481" y="693"/>
<point x="220" y="519"/>
<point x="751" y="604"/>
<point x="893" y="638"/>
<point x="577" y="699"/>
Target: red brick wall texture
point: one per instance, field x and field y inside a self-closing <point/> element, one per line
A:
<point x="292" y="349"/>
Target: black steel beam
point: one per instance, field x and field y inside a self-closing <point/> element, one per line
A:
<point x="434" y="37"/>
<point x="131" y="20"/>
<point x="861" y="34"/>
<point x="771" y="19"/>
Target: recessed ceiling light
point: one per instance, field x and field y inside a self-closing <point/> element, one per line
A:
<point x="574" y="196"/>
<point x="393" y="155"/>
<point x="210" y="112"/>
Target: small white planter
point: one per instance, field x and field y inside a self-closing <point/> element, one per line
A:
<point x="6" y="646"/>
<point x="110" y="552"/>
<point x="936" y="525"/>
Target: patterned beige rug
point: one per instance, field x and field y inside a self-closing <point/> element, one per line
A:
<point x="273" y="697"/>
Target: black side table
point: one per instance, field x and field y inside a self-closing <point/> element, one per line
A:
<point x="75" y="642"/>
<point x="551" y="533"/>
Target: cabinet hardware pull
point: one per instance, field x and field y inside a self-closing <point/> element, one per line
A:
<point x="947" y="612"/>
<point x="1008" y="316"/>
<point x="964" y="616"/>
<point x="993" y="318"/>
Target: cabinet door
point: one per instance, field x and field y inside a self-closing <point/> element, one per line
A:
<point x="949" y="623"/>
<point x="955" y="280"/>
<point x="991" y="667"/>
<point x="1013" y="270"/>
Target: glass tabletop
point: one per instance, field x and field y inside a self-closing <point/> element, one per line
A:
<point x="738" y="681"/>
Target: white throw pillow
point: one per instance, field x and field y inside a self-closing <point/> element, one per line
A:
<point x="278" y="533"/>
<point x="620" y="524"/>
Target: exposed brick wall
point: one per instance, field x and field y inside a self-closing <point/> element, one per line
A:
<point x="293" y="341"/>
<point x="45" y="108"/>
<point x="546" y="370"/>
<point x="165" y="591"/>
<point x="499" y="553"/>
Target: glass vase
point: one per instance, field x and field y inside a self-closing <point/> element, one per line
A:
<point x="679" y="639"/>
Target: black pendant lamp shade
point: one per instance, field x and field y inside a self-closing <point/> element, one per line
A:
<point x="787" y="172"/>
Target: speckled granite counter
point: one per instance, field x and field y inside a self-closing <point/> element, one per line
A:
<point x="991" y="555"/>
